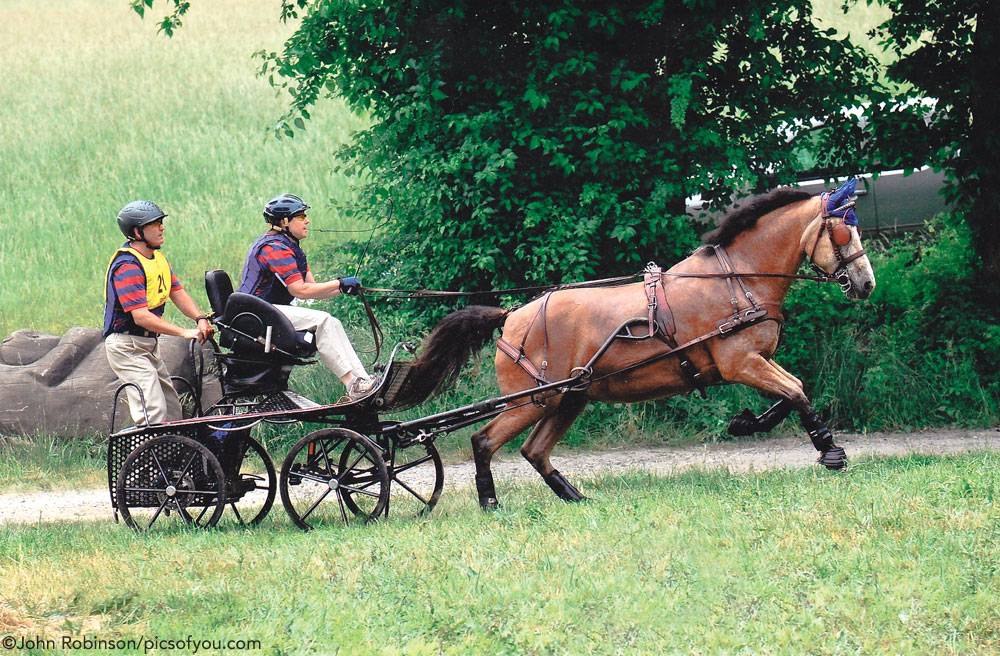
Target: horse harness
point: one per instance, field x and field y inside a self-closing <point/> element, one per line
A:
<point x="660" y="324"/>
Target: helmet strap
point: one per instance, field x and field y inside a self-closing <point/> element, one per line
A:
<point x="283" y="229"/>
<point x="142" y="238"/>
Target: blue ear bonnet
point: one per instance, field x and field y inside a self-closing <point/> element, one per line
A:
<point x="839" y="203"/>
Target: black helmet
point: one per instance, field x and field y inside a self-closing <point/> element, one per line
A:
<point x="283" y="207"/>
<point x="137" y="214"/>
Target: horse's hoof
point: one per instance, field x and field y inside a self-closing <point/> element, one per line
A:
<point x="489" y="503"/>
<point x="743" y="424"/>
<point x="834" y="458"/>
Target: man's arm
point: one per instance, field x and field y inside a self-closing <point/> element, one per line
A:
<point x="303" y="289"/>
<point x="146" y="319"/>
<point x="186" y="305"/>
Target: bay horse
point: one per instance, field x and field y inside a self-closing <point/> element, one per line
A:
<point x="721" y="325"/>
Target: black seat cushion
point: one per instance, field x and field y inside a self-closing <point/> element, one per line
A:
<point x="253" y="316"/>
<point x="219" y="287"/>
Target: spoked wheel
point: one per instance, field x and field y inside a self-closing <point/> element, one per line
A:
<point x="170" y="479"/>
<point x="417" y="477"/>
<point x="250" y="493"/>
<point x="334" y="475"/>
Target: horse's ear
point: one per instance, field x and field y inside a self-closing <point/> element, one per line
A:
<point x="843" y="193"/>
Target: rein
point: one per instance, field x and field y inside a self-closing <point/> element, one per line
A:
<point x="391" y="293"/>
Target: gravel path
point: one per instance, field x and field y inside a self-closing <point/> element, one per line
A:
<point x="95" y="504"/>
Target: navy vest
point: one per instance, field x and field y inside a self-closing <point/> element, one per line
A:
<point x="258" y="280"/>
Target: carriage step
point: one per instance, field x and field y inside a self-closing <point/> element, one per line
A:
<point x="300" y="402"/>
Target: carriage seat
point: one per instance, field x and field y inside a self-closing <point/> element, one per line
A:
<point x="263" y="344"/>
<point x="251" y="326"/>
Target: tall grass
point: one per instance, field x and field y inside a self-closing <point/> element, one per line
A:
<point x="99" y="110"/>
<point x="895" y="556"/>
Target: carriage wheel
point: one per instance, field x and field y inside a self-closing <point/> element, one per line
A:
<point x="333" y="475"/>
<point x="417" y="476"/>
<point x="170" y="478"/>
<point x="254" y="487"/>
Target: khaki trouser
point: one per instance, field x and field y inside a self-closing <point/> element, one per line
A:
<point x="137" y="360"/>
<point x="332" y="344"/>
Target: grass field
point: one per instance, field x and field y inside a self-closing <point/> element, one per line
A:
<point x="895" y="556"/>
<point x="99" y="110"/>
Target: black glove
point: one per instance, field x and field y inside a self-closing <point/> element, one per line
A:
<point x="350" y="286"/>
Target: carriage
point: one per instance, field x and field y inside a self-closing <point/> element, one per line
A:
<point x="359" y="467"/>
<point x="616" y="340"/>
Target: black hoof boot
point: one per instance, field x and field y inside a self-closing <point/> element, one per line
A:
<point x="833" y="458"/>
<point x="743" y="424"/>
<point x="487" y="504"/>
<point x="563" y="488"/>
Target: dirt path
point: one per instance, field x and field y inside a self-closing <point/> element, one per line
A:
<point x="741" y="456"/>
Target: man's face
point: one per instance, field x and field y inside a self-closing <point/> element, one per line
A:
<point x="153" y="233"/>
<point x="298" y="226"/>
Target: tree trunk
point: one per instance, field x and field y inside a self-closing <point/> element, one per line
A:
<point x="984" y="146"/>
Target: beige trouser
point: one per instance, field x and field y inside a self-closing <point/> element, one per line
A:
<point x="137" y="360"/>
<point x="332" y="344"/>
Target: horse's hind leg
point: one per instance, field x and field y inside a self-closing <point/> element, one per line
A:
<point x="538" y="447"/>
<point x="491" y="437"/>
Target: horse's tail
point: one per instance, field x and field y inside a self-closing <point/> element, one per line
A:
<point x="449" y="346"/>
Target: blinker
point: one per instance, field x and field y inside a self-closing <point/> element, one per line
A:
<point x="841" y="234"/>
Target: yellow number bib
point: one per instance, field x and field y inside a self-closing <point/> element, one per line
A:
<point x="157" y="276"/>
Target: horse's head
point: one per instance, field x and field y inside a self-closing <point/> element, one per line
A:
<point x="833" y="242"/>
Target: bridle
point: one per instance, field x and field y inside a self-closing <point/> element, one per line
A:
<point x="840" y="235"/>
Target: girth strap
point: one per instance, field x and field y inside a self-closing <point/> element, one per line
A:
<point x="661" y="323"/>
<point x="661" y="319"/>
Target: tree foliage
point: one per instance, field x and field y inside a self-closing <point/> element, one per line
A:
<point x="533" y="141"/>
<point x="946" y="53"/>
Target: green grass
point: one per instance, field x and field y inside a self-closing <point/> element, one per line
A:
<point x="52" y="463"/>
<point x="895" y="556"/>
<point x="99" y="110"/>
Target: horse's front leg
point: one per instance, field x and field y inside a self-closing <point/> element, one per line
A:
<point x="747" y="423"/>
<point x="761" y="374"/>
<point x="831" y="456"/>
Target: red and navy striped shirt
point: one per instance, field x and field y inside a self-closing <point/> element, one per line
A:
<point x="273" y="262"/>
<point x="281" y="261"/>
<point x="128" y="293"/>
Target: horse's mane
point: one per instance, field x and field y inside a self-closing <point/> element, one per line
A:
<point x="745" y="217"/>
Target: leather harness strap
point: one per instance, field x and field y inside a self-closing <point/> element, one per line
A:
<point x="518" y="354"/>
<point x="660" y="321"/>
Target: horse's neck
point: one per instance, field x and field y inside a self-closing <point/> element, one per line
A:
<point x="774" y="246"/>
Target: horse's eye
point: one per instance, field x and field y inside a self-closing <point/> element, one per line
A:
<point x="841" y="234"/>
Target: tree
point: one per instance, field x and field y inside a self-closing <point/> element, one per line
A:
<point x="946" y="52"/>
<point x="534" y="141"/>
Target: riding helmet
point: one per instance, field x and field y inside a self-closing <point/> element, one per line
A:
<point x="283" y="207"/>
<point x="137" y="214"/>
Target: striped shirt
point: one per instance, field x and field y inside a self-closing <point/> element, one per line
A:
<point x="281" y="261"/>
<point x="129" y="282"/>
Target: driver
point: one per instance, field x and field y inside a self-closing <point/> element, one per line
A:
<point x="136" y="288"/>
<point x="276" y="270"/>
